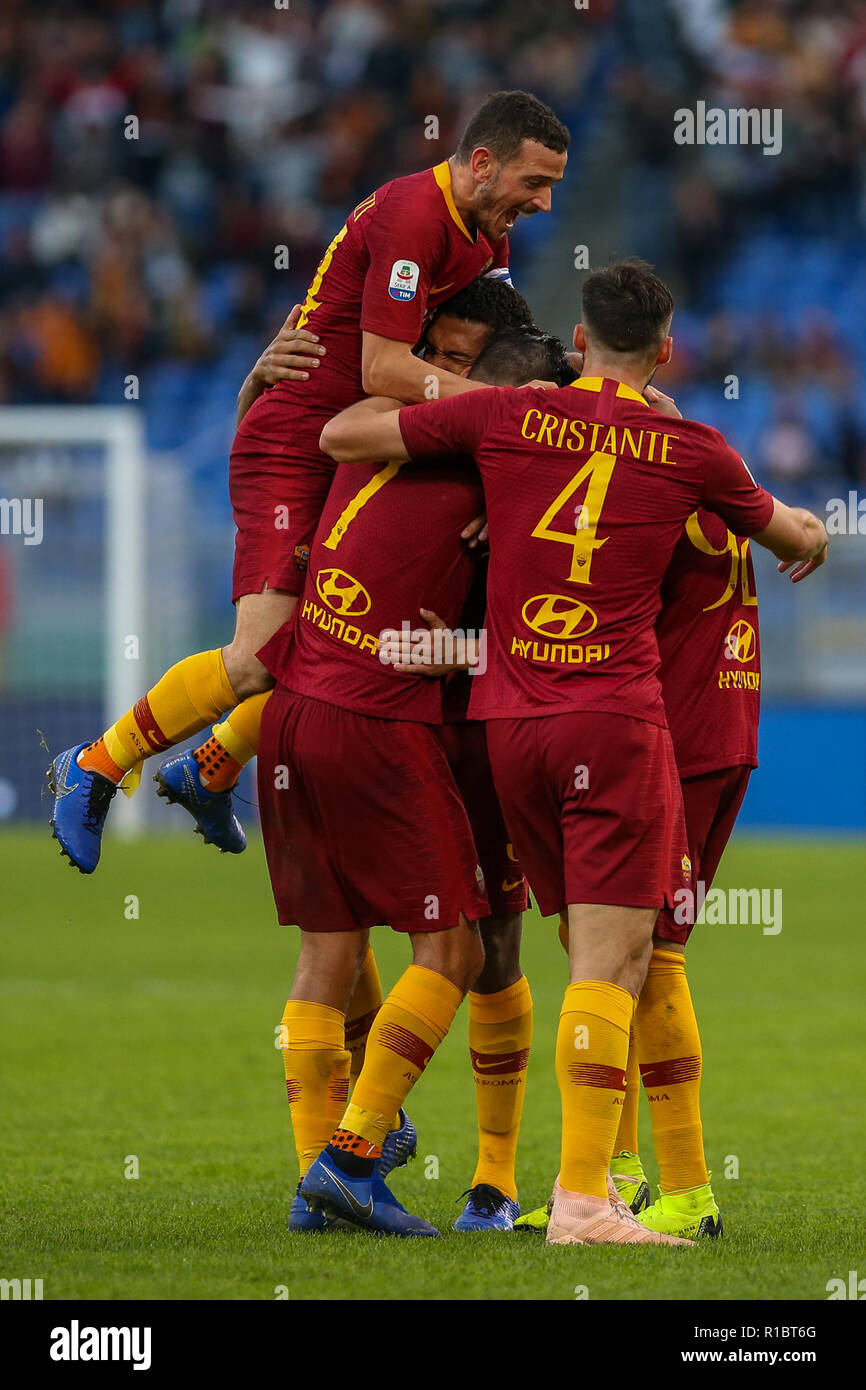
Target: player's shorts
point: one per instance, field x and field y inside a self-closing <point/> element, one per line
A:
<point x="362" y="821"/>
<point x="278" y="486"/>
<point x="594" y="808"/>
<point x="711" y="803"/>
<point x="466" y="747"/>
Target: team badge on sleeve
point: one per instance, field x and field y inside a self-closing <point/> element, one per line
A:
<point x="404" y="280"/>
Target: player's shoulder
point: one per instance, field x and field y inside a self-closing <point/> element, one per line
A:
<point x="706" y="438"/>
<point x="417" y="194"/>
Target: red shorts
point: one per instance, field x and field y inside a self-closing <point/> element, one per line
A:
<point x="277" y="491"/>
<point x="362" y="821"/>
<point x="711" y="803"/>
<point x="594" y="807"/>
<point x="466" y="747"/>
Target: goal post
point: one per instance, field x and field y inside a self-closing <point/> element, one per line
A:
<point x="119" y="433"/>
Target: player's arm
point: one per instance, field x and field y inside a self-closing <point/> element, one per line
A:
<point x="390" y="368"/>
<point x="364" y="432"/>
<point x="406" y="253"/>
<point x="796" y="537"/>
<point x="368" y="430"/>
<point x="291" y="356"/>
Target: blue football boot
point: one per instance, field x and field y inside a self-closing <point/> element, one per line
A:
<point x="400" y="1145"/>
<point x="487" y="1209"/>
<point x="303" y="1218"/>
<point x="365" y="1201"/>
<point x="81" y="802"/>
<point x="179" y="780"/>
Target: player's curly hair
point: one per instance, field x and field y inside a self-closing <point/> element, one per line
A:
<point x="516" y="355"/>
<point x="505" y="120"/>
<point x="490" y="301"/>
<point x="626" y="307"/>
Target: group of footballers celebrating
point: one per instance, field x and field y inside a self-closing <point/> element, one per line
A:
<point x="589" y="727"/>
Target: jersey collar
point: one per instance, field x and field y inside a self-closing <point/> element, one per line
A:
<point x="442" y="175"/>
<point x="595" y="383"/>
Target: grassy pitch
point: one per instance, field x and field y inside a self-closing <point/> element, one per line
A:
<point x="147" y="1044"/>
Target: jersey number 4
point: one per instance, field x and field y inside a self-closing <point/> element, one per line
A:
<point x="597" y="473"/>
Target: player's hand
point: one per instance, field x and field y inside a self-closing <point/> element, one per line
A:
<point x="436" y="651"/>
<point x="292" y="355"/>
<point x="803" y="568"/>
<point x="476" y="532"/>
<point x="665" y="405"/>
<point x="541" y="385"/>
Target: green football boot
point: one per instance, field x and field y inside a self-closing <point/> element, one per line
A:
<point x="629" y="1178"/>
<point x="534" y="1220"/>
<point x="690" y="1214"/>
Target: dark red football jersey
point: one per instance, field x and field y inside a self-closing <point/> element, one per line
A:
<point x="403" y="251"/>
<point x="387" y="545"/>
<point x="710" y="649"/>
<point x="587" y="491"/>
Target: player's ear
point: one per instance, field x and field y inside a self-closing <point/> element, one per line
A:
<point x="482" y="164"/>
<point x="666" y="351"/>
<point x="579" y="338"/>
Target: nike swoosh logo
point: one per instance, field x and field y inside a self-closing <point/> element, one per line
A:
<point x="508" y="885"/>
<point x="62" y="787"/>
<point x="440" y="289"/>
<point x="362" y="1212"/>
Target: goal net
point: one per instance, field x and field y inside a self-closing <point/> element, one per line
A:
<point x="98" y="591"/>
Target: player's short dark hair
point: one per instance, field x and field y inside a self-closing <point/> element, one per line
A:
<point x="490" y="301"/>
<point x="505" y="120"/>
<point x="627" y="308"/>
<point x="516" y="355"/>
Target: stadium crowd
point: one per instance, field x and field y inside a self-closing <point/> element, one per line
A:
<point x="148" y="246"/>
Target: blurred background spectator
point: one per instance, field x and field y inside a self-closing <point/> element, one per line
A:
<point x="153" y="155"/>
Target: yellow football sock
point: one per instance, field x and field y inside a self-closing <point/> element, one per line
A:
<point x="591" y="1058"/>
<point x="669" y="1050"/>
<point x="232" y="744"/>
<point x="626" y="1136"/>
<point x="317" y="1074"/>
<point x="190" y="696"/>
<point x="500" y="1033"/>
<point x="364" y="1004"/>
<point x="406" y="1032"/>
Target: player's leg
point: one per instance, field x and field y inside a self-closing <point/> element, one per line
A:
<point x="235" y="741"/>
<point x="669" y="1041"/>
<point x="202" y="779"/>
<point x="626" y="1169"/>
<point x="312" y="1041"/>
<point x="500" y="1035"/>
<point x="500" y="1002"/>
<point x="334" y="947"/>
<point x="401" y="1142"/>
<point x="593" y="845"/>
<point x="625" y="1166"/>
<point x="276" y="501"/>
<point x="84" y="779"/>
<point x="277" y="498"/>
<point x="412" y="1022"/>
<point x="395" y="849"/>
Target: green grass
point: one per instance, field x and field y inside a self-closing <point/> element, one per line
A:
<point x="154" y="1038"/>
